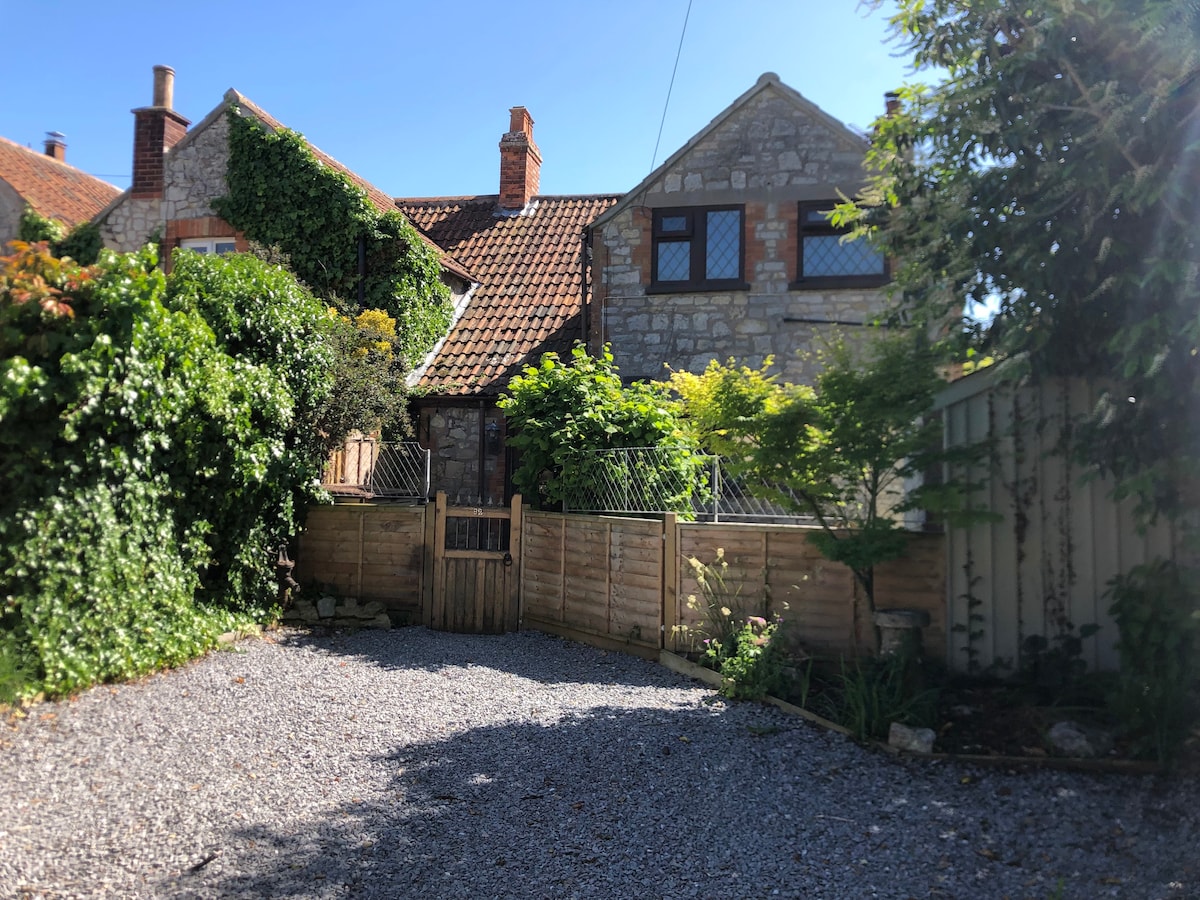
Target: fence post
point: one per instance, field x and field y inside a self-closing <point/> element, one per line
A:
<point x="427" y="565"/>
<point x="716" y="481"/>
<point x="515" y="599"/>
<point x="669" y="609"/>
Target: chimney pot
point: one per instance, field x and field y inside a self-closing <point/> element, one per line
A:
<point x="156" y="130"/>
<point x="56" y="146"/>
<point x="164" y="87"/>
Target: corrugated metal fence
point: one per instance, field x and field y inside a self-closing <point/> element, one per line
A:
<point x="1043" y="569"/>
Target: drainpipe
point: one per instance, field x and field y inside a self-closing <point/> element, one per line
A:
<point x="585" y="253"/>
<point x="482" y="448"/>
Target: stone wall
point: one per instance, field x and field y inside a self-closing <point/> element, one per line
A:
<point x="12" y="205"/>
<point x="451" y="434"/>
<point x="767" y="155"/>
<point x="195" y="171"/>
<point x="132" y="223"/>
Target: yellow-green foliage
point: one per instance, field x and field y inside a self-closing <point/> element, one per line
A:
<point x="378" y="331"/>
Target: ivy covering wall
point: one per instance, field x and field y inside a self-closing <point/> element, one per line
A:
<point x="82" y="243"/>
<point x="281" y="195"/>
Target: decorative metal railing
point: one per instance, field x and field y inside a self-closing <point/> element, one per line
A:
<point x="394" y="470"/>
<point x="650" y="480"/>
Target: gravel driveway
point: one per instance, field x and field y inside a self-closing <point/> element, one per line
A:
<point x="412" y="763"/>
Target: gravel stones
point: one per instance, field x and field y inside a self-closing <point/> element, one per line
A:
<point x="387" y="764"/>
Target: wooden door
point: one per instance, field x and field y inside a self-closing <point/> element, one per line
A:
<point x="475" y="556"/>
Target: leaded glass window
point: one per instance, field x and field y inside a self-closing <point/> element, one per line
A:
<point x="697" y="248"/>
<point x="828" y="261"/>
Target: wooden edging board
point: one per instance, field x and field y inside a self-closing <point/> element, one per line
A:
<point x="677" y="663"/>
<point x="592" y="638"/>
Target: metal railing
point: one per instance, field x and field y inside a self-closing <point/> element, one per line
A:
<point x="650" y="480"/>
<point x="393" y="470"/>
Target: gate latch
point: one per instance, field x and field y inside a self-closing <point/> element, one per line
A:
<point x="507" y="559"/>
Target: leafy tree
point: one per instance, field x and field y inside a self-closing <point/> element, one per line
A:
<point x="1049" y="174"/>
<point x="563" y="413"/>
<point x="369" y="392"/>
<point x="849" y="451"/>
<point x="159" y="436"/>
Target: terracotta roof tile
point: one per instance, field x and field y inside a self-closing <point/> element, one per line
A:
<point x="383" y="202"/>
<point x="53" y="188"/>
<point x="528" y="301"/>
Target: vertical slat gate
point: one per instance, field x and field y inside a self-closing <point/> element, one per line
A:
<point x="475" y="559"/>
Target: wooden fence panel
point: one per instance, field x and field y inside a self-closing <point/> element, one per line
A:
<point x="596" y="578"/>
<point x="367" y="552"/>
<point x="775" y="571"/>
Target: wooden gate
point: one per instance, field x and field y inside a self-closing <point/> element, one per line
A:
<point x="474" y="556"/>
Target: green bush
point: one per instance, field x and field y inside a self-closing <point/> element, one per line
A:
<point x="157" y="437"/>
<point x="1157" y="610"/>
<point x="81" y="243"/>
<point x="562" y="413"/>
<point x="868" y="695"/>
<point x="750" y="664"/>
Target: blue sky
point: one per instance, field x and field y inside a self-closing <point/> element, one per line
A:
<point x="414" y="95"/>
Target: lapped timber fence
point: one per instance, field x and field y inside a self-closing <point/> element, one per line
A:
<point x="617" y="582"/>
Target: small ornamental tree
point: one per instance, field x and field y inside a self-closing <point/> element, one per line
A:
<point x="563" y="413"/>
<point x="851" y="452"/>
<point x="369" y="392"/>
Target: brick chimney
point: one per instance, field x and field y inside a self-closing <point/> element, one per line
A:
<point x="520" y="161"/>
<point x="56" y="147"/>
<point x="157" y="128"/>
<point x="891" y="103"/>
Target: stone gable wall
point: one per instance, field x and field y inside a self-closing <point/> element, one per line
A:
<point x="131" y="223"/>
<point x="193" y="176"/>
<point x="767" y="156"/>
<point x="195" y="173"/>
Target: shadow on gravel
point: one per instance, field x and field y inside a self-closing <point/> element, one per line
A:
<point x="698" y="802"/>
<point x="612" y="803"/>
<point x="528" y="654"/>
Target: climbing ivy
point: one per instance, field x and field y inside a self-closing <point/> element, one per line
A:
<point x="281" y="195"/>
<point x="82" y="243"/>
<point x="159" y="438"/>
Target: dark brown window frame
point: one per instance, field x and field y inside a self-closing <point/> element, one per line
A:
<point x="803" y="230"/>
<point x="696" y="233"/>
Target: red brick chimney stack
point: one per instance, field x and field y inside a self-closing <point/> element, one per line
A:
<point x="520" y="161"/>
<point x="56" y="147"/>
<point x="157" y="128"/>
<point x="891" y="103"/>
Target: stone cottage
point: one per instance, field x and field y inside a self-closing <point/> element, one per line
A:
<point x="525" y="250"/>
<point x="725" y="250"/>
